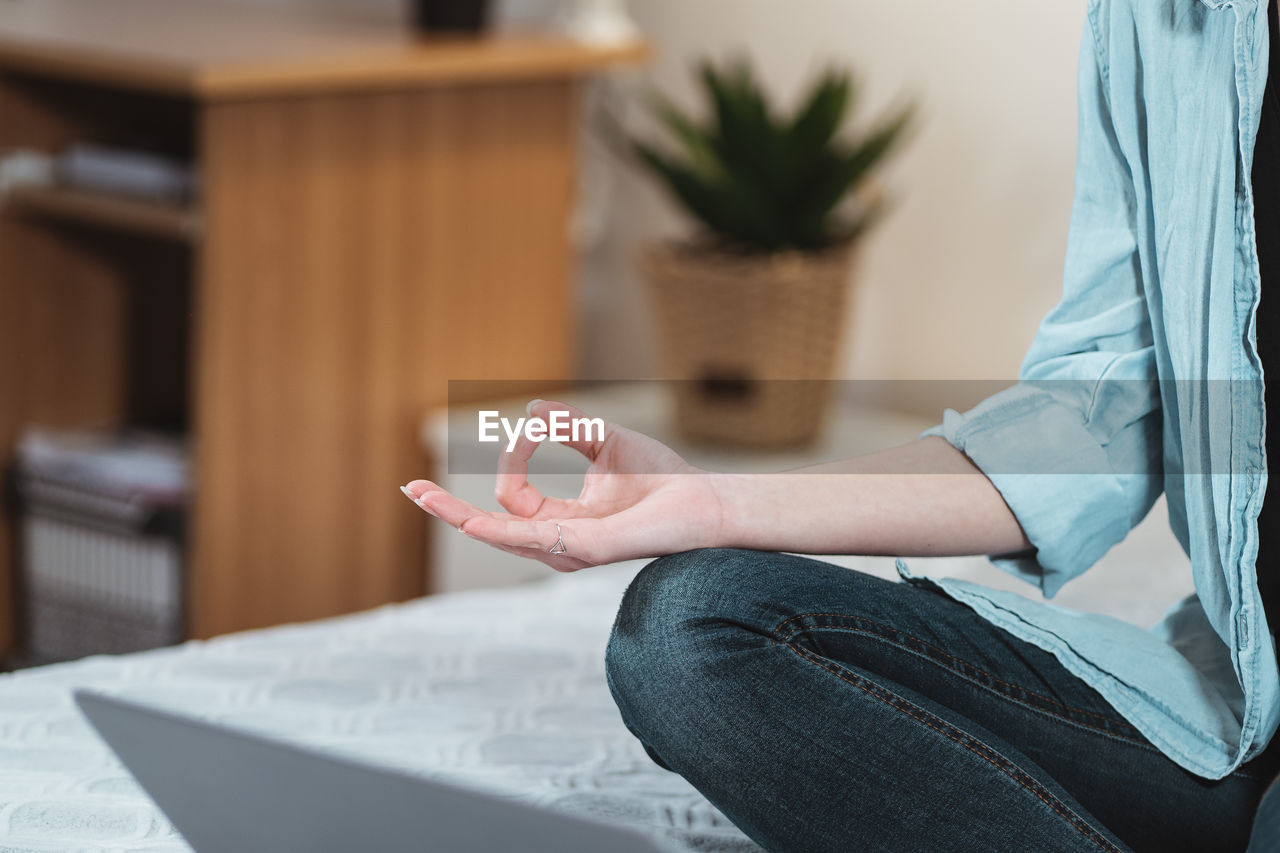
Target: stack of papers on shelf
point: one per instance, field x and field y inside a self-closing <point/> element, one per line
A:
<point x="138" y="174"/>
<point x="144" y="469"/>
<point x="22" y="167"/>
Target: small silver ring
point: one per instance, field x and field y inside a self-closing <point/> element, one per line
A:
<point x="558" y="548"/>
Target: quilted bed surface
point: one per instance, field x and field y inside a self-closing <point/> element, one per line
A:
<point x="502" y="688"/>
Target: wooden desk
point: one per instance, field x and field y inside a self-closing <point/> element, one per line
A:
<point x="380" y="213"/>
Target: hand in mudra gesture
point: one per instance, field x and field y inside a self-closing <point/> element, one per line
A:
<point x="638" y="499"/>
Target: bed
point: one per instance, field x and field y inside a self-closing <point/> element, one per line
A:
<point x="500" y="688"/>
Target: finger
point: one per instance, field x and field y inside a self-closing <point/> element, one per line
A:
<point x="528" y="502"/>
<point x="513" y="489"/>
<point x="415" y="489"/>
<point x="559" y="562"/>
<point x="456" y="512"/>
<point x="588" y="438"/>
<point x="441" y="504"/>
<point x="576" y="537"/>
<point x="518" y="533"/>
<point x="587" y="541"/>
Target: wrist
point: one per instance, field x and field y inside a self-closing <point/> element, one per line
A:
<point x="736" y="522"/>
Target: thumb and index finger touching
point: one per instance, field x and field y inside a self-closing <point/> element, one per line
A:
<point x="513" y="490"/>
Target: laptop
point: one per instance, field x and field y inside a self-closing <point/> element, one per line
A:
<point x="238" y="792"/>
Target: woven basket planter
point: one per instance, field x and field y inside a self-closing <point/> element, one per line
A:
<point x="751" y="340"/>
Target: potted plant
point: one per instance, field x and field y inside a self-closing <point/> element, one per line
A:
<point x="750" y="311"/>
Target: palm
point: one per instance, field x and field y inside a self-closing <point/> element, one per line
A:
<point x="638" y="499"/>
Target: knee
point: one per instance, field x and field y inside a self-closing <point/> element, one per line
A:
<point x="662" y="636"/>
<point x="667" y="597"/>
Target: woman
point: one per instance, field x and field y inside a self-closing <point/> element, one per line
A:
<point x="823" y="709"/>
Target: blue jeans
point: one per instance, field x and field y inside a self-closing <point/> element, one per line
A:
<point x="822" y="708"/>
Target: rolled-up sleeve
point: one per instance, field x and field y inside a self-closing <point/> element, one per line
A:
<point x="1074" y="445"/>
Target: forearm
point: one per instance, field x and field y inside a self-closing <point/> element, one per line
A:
<point x="924" y="498"/>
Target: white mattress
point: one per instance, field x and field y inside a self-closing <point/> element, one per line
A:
<point x="501" y="688"/>
<point x="504" y="688"/>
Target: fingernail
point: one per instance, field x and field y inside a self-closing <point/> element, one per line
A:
<point x="528" y="409"/>
<point x="421" y="504"/>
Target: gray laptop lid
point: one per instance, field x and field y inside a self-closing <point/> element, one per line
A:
<point x="232" y="791"/>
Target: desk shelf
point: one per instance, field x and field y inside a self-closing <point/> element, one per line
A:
<point x="379" y="214"/>
<point x="167" y="221"/>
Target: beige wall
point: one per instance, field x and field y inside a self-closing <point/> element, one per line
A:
<point x="955" y="281"/>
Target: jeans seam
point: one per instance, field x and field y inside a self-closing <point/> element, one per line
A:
<point x="1014" y="699"/>
<point x="968" y="741"/>
<point x="950" y="657"/>
<point x="1141" y="744"/>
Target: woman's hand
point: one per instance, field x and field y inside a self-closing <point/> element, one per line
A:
<point x="639" y="499"/>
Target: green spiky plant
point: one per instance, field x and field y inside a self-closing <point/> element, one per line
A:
<point x="763" y="182"/>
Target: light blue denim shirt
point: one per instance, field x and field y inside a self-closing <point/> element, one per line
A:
<point x="1154" y="340"/>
